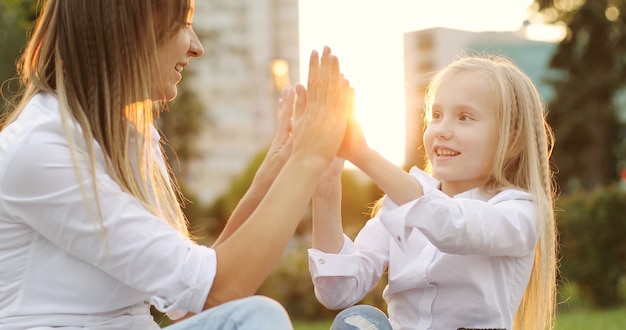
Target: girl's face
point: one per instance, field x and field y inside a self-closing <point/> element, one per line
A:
<point x="461" y="139"/>
<point x="174" y="55"/>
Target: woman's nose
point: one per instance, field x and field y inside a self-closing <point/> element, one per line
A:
<point x="195" y="49"/>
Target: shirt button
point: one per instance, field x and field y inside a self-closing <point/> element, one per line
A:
<point x="398" y="238"/>
<point x="321" y="261"/>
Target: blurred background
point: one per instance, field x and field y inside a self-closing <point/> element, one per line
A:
<point x="223" y="120"/>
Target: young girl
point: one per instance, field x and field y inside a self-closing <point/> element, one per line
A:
<point x="91" y="231"/>
<point x="472" y="245"/>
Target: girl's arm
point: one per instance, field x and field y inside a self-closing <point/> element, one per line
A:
<point x="393" y="180"/>
<point x="327" y="225"/>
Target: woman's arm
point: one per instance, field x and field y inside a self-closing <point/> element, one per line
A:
<point x="247" y="256"/>
<point x="276" y="157"/>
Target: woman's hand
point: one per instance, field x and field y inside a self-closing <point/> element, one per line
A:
<point x="321" y="125"/>
<point x="281" y="147"/>
<point x="331" y="178"/>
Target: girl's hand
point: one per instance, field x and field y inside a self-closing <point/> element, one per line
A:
<point x="354" y="143"/>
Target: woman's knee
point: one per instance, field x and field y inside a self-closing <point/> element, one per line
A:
<point x="266" y="311"/>
<point x="264" y="305"/>
<point x="361" y="317"/>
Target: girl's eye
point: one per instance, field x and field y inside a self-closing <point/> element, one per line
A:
<point x="465" y="117"/>
<point x="436" y="115"/>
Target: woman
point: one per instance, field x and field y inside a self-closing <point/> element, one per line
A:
<point x="91" y="231"/>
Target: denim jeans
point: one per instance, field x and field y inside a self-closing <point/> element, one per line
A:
<point x="252" y="313"/>
<point x="361" y="317"/>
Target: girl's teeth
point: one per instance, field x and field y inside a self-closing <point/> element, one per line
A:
<point x="446" y="153"/>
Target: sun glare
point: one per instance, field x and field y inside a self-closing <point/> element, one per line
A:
<point x="367" y="36"/>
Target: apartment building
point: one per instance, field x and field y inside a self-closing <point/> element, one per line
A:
<point x="251" y="51"/>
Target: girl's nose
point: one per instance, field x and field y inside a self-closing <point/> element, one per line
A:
<point x="443" y="129"/>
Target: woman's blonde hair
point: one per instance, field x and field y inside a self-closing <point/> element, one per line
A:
<point x="521" y="161"/>
<point x="99" y="58"/>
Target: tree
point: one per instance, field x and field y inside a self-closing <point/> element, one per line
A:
<point x="180" y="124"/>
<point x="16" y="16"/>
<point x="590" y="72"/>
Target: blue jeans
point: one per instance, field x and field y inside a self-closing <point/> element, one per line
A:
<point x="251" y="313"/>
<point x="361" y="317"/>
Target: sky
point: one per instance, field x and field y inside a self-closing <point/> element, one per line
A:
<point x="367" y="37"/>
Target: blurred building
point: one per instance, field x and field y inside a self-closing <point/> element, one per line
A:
<point x="427" y="51"/>
<point x="251" y="51"/>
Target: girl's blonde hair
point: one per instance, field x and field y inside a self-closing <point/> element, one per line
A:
<point x="522" y="162"/>
<point x="100" y="58"/>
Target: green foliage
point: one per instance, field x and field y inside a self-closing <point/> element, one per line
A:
<point x="220" y="210"/>
<point x="15" y="18"/>
<point x="592" y="229"/>
<point x="181" y="124"/>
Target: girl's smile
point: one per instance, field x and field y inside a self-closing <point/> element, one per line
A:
<point x="461" y="138"/>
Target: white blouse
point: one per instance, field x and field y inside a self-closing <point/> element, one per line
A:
<point x="452" y="262"/>
<point x="57" y="267"/>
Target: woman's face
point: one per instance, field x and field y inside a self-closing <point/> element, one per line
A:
<point x="174" y="55"/>
<point x="462" y="137"/>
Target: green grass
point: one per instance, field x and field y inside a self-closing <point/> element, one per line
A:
<point x="312" y="325"/>
<point x="569" y="320"/>
<point x="614" y="319"/>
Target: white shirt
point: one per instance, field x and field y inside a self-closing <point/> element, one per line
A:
<point x="55" y="270"/>
<point x="452" y="262"/>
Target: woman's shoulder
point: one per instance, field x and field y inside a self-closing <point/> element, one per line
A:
<point x="40" y="114"/>
<point x="41" y="111"/>
<point x="35" y="136"/>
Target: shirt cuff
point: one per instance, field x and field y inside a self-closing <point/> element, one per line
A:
<point x="343" y="263"/>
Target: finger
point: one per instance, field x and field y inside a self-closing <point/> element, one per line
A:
<point x="324" y="76"/>
<point x="346" y="97"/>
<point x="313" y="78"/>
<point x="346" y="105"/>
<point x="334" y="83"/>
<point x="285" y="112"/>
<point x="301" y="101"/>
<point x="354" y="124"/>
